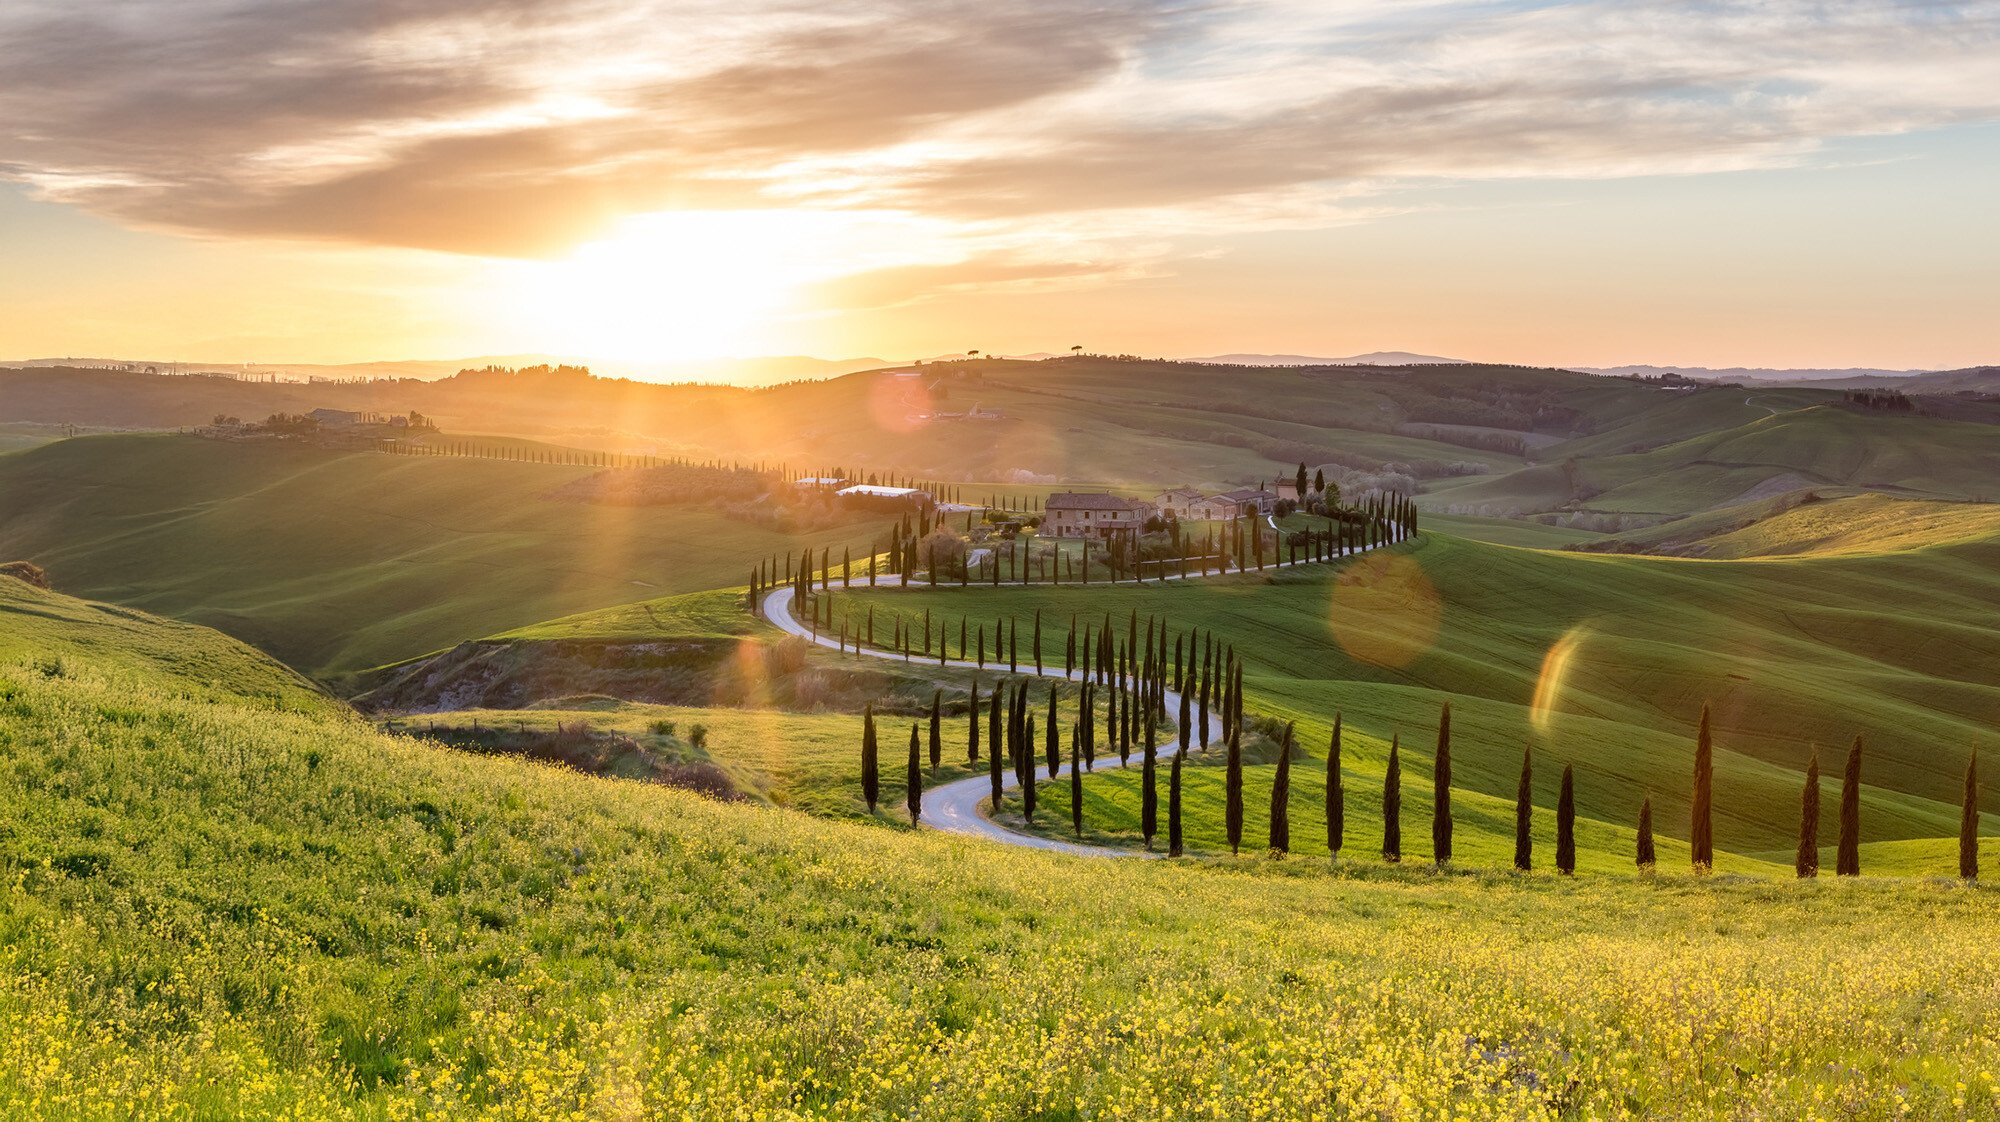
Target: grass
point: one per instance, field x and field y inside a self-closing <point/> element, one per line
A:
<point x="336" y="562"/>
<point x="1789" y="652"/>
<point x="215" y="910"/>
<point x="1846" y="525"/>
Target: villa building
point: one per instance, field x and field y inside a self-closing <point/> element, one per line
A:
<point x="1073" y="514"/>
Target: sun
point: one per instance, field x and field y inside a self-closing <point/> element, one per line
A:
<point x="700" y="284"/>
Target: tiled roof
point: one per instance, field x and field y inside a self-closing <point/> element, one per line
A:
<point x="1084" y="500"/>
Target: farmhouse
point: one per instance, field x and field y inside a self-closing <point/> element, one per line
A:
<point x="1073" y="514"/>
<point x="1233" y="504"/>
<point x="868" y="494"/>
<point x="1178" y="501"/>
<point x="331" y="417"/>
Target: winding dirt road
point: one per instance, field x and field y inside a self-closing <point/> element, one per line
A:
<point x="958" y="806"/>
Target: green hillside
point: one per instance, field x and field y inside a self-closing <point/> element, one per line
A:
<point x="217" y="910"/>
<point x="1895" y="647"/>
<point x="1817" y="446"/>
<point x="340" y="561"/>
<point x="55" y="636"/>
<point x="1807" y="523"/>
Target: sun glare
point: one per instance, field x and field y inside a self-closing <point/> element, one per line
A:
<point x="696" y="284"/>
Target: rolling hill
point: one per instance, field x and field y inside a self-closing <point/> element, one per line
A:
<point x="337" y="561"/>
<point x="215" y="909"/>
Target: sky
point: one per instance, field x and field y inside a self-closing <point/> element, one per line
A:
<point x="1701" y="184"/>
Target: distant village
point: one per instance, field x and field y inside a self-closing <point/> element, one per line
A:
<point x="1088" y="514"/>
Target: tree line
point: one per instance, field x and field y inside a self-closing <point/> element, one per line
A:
<point x="1135" y="711"/>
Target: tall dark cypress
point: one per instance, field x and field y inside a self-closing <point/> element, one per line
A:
<point x="1014" y="648"/>
<point x="1233" y="795"/>
<point x="1087" y="712"/>
<point x="1806" y="862"/>
<point x="937" y="729"/>
<point x="1028" y="783"/>
<point x="1054" y="746"/>
<point x="1968" y="822"/>
<point x="913" y="796"/>
<point x="1184" y="721"/>
<point x="1075" y="784"/>
<point x="1038" y="643"/>
<point x="1392" y="803"/>
<point x="993" y="750"/>
<point x="871" y="777"/>
<point x="973" y="713"/>
<point x="1566" y="823"/>
<point x="1174" y="802"/>
<point x="1149" y="795"/>
<point x="1201" y="696"/>
<point x="1336" y="796"/>
<point x="1701" y="838"/>
<point x="1645" y="855"/>
<point x="1848" y="860"/>
<point x="1281" y="797"/>
<point x="1441" y="792"/>
<point x="1524" y="813"/>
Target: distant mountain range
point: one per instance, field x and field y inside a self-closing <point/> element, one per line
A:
<point x="756" y="371"/>
<point x="1753" y="373"/>
<point x="1372" y="358"/>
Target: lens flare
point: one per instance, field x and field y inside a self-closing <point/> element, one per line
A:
<point x="1555" y="665"/>
<point x="1384" y="610"/>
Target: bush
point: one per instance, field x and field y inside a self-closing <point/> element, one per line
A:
<point x="698" y="736"/>
<point x="663" y="728"/>
<point x="26" y="571"/>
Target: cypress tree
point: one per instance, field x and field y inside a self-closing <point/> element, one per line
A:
<point x="1281" y="797"/>
<point x="937" y="729"/>
<point x="1174" y="802"/>
<point x="1087" y="704"/>
<point x="1566" y="824"/>
<point x="1075" y="785"/>
<point x="1524" y="813"/>
<point x="1392" y="803"/>
<point x="1201" y="695"/>
<point x="1233" y="795"/>
<point x="1149" y="796"/>
<point x="993" y="748"/>
<point x="871" y="779"/>
<point x="1014" y="649"/>
<point x="1968" y="822"/>
<point x="1336" y="796"/>
<point x="1701" y="838"/>
<point x="1848" y="860"/>
<point x="1028" y="784"/>
<point x="963" y="635"/>
<point x="1038" y="641"/>
<point x="974" y="713"/>
<point x="1182" y="724"/>
<point x="914" y="791"/>
<point x="1645" y="853"/>
<point x="1806" y="862"/>
<point x="1441" y="792"/>
<point x="1054" y="747"/>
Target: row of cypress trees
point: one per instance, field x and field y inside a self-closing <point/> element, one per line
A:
<point x="1221" y="677"/>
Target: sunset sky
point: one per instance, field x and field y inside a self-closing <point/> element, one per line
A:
<point x="1714" y="184"/>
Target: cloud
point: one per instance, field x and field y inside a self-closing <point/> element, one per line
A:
<point x="520" y="128"/>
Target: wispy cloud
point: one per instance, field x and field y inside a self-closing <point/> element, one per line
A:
<point x="519" y="127"/>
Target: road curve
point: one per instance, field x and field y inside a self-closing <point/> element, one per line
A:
<point x="957" y="806"/>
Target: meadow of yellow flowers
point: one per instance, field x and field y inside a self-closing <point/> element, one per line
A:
<point x="220" y="909"/>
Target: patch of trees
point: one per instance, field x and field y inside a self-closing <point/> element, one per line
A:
<point x="1880" y="401"/>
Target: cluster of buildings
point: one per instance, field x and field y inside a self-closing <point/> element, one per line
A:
<point x="1072" y="514"/>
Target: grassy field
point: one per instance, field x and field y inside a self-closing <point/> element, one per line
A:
<point x="1853" y="524"/>
<point x="212" y="909"/>
<point x="339" y="561"/>
<point x="1790" y="653"/>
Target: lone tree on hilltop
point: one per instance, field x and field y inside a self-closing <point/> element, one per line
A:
<point x="1336" y="796"/>
<point x="1847" y="861"/>
<point x="1701" y="838"/>
<point x="1806" y="862"/>
<point x="1524" y="813"/>
<point x="1281" y="798"/>
<point x="1392" y="803"/>
<point x="1566" y="824"/>
<point x="914" y="796"/>
<point x="1441" y="792"/>
<point x="1645" y="855"/>
<point x="871" y="778"/>
<point x="1968" y="822"/>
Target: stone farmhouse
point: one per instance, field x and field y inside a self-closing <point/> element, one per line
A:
<point x="1074" y="514"/>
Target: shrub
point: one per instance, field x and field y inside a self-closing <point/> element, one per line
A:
<point x="663" y="728"/>
<point x="698" y="735"/>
